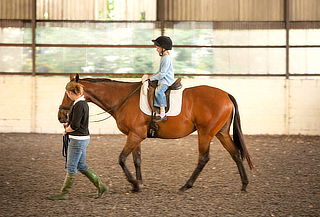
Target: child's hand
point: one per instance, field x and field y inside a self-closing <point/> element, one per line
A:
<point x="144" y="78"/>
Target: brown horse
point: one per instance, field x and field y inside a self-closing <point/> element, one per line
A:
<point x="205" y="109"/>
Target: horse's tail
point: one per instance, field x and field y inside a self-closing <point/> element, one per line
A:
<point x="237" y="134"/>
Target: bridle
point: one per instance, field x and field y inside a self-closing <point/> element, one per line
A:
<point x="65" y="107"/>
<point x="109" y="110"/>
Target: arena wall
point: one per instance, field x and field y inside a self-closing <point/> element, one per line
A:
<point x="268" y="105"/>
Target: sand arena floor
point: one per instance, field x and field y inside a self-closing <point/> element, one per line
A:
<point x="285" y="182"/>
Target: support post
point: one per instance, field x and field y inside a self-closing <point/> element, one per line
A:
<point x="34" y="24"/>
<point x="287" y="25"/>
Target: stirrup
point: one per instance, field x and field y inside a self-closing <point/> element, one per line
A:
<point x="164" y="118"/>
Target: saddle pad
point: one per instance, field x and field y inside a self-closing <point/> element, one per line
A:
<point x="175" y="101"/>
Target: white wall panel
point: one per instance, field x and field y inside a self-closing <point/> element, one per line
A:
<point x="267" y="105"/>
<point x="16" y="93"/>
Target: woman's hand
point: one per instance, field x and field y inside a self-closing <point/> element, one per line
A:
<point x="65" y="127"/>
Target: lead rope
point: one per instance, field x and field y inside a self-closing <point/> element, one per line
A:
<point x="65" y="144"/>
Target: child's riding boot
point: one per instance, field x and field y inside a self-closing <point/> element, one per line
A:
<point x="164" y="118"/>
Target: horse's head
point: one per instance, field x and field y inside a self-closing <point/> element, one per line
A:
<point x="66" y="104"/>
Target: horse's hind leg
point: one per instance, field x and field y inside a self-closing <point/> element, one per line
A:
<point x="225" y="139"/>
<point x="204" y="146"/>
<point x="133" y="141"/>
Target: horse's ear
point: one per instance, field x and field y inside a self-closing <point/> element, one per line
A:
<point x="77" y="77"/>
<point x="74" y="77"/>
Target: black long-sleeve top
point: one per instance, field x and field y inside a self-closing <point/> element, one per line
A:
<point x="79" y="118"/>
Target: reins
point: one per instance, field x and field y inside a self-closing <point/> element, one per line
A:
<point x="117" y="105"/>
<point x="101" y="119"/>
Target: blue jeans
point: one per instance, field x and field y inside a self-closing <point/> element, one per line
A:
<point x="77" y="155"/>
<point x="160" y="96"/>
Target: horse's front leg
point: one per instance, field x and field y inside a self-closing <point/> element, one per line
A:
<point x="133" y="141"/>
<point x="136" y="153"/>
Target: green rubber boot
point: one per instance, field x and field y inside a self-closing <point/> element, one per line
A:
<point x="67" y="185"/>
<point x="92" y="176"/>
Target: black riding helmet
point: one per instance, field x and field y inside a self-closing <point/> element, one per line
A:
<point x="164" y="42"/>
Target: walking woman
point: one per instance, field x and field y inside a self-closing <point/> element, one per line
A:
<point x="77" y="129"/>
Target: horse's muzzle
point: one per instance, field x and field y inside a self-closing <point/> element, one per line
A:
<point x="62" y="116"/>
<point x="61" y="120"/>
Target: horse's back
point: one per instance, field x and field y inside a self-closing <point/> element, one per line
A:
<point x="207" y="102"/>
<point x="205" y="92"/>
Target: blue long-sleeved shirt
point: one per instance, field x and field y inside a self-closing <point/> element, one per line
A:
<point x="165" y="75"/>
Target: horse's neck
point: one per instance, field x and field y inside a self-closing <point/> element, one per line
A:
<point x="108" y="95"/>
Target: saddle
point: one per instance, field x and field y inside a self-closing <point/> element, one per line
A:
<point x="153" y="126"/>
<point x="151" y="94"/>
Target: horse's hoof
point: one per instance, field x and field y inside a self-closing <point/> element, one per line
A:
<point x="184" y="188"/>
<point x="244" y="189"/>
<point x="136" y="189"/>
<point x="244" y="186"/>
<point x="140" y="186"/>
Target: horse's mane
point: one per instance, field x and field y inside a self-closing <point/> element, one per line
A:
<point x="94" y="80"/>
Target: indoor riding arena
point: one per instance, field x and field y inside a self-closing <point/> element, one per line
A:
<point x="262" y="57"/>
